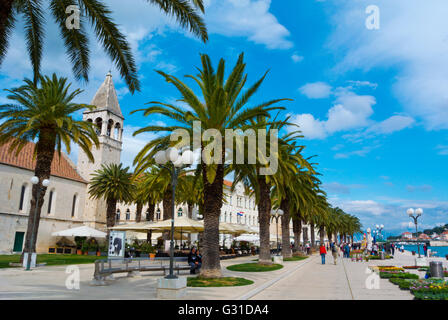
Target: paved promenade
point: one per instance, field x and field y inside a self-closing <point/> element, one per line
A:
<point x="307" y="279"/>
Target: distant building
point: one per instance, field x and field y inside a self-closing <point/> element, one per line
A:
<point x="406" y="235"/>
<point x="424" y="236"/>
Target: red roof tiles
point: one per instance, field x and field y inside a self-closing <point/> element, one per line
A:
<point x="60" y="167"/>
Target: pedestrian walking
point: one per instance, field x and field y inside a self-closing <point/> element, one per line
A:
<point x="334" y="252"/>
<point x="323" y="252"/>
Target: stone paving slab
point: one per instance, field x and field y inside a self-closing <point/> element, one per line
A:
<point x="306" y="279"/>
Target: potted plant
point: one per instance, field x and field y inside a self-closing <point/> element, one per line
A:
<point x="92" y="249"/>
<point x="413" y="253"/>
<point x="79" y="243"/>
<point x="85" y="248"/>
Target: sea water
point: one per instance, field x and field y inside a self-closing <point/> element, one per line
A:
<point x="436" y="251"/>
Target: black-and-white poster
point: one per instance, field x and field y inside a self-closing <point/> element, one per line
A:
<point x="117" y="243"/>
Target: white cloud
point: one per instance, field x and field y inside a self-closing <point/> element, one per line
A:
<point x="350" y="111"/>
<point x="362" y="206"/>
<point x="392" y="124"/>
<point x="310" y="127"/>
<point x="133" y="145"/>
<point x="296" y="58"/>
<point x="443" y="150"/>
<point x="247" y="18"/>
<point x="412" y="39"/>
<point x="423" y="188"/>
<point x="361" y="152"/>
<point x="316" y="90"/>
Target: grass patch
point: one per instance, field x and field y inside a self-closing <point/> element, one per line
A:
<point x="294" y="258"/>
<point x="254" y="267"/>
<point x="218" y="282"/>
<point x="51" y="259"/>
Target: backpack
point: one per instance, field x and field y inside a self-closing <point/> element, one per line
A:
<point x="333" y="249"/>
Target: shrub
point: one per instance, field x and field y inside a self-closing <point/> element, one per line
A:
<point x="401" y="275"/>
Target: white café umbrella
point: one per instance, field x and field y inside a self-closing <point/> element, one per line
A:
<point x="83" y="231"/>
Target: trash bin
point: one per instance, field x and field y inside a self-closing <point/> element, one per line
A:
<point x="382" y="255"/>
<point x="436" y="269"/>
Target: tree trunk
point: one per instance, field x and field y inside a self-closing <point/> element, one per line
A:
<point x="286" y="246"/>
<point x="151" y="210"/>
<point x="264" y="215"/>
<point x="321" y="234"/>
<point x="190" y="210"/>
<point x="313" y="235"/>
<point x="305" y="235"/>
<point x="167" y="207"/>
<point x="329" y="236"/>
<point x="336" y="237"/>
<point x="211" y="264"/>
<point x="138" y="213"/>
<point x="297" y="229"/>
<point x="45" y="153"/>
<point x="111" y="208"/>
<point x="6" y="23"/>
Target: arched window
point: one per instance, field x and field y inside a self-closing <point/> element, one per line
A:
<point x="180" y="212"/>
<point x="99" y="125"/>
<point x="74" y="205"/>
<point x="117" y="218"/>
<point x="117" y="129"/>
<point x="158" y="214"/>
<point x="147" y="215"/>
<point x="22" y="197"/>
<point x="110" y="125"/>
<point x="225" y="216"/>
<point x="128" y="214"/>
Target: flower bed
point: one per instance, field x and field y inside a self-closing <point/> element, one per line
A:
<point x="432" y="290"/>
<point x="389" y="268"/>
<point x="424" y="289"/>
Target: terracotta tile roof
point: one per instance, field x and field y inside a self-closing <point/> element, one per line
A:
<point x="228" y="183"/>
<point x="63" y="168"/>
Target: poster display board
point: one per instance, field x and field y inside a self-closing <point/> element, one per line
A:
<point x="117" y="240"/>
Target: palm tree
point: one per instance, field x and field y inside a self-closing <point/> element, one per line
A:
<point x="44" y="112"/>
<point x="261" y="184"/>
<point x="76" y="40"/>
<point x="113" y="183"/>
<point x="224" y="107"/>
<point x="190" y="191"/>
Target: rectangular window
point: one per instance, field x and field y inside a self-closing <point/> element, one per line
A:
<point x="22" y="197"/>
<point x="50" y="199"/>
<point x="73" y="205"/>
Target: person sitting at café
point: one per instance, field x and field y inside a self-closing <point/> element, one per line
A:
<point x="194" y="260"/>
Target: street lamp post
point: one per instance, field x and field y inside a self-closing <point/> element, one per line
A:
<point x="276" y="215"/>
<point x="418" y="212"/>
<point x="45" y="183"/>
<point x="178" y="162"/>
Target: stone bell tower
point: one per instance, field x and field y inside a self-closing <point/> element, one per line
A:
<point x="108" y="121"/>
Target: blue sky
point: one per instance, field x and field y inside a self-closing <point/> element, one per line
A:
<point x="372" y="104"/>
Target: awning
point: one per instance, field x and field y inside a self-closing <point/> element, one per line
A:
<point x="83" y="231"/>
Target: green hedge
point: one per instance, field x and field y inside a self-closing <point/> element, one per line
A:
<point x="400" y="275"/>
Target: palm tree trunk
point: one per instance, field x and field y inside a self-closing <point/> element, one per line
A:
<point x="313" y="236"/>
<point x="286" y="247"/>
<point x="138" y="213"/>
<point x="321" y="234"/>
<point x="151" y="210"/>
<point x="111" y="208"/>
<point x="45" y="153"/>
<point x="190" y="210"/>
<point x="329" y="235"/>
<point x="297" y="229"/>
<point x="336" y="237"/>
<point x="264" y="215"/>
<point x="167" y="208"/>
<point x="211" y="266"/>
